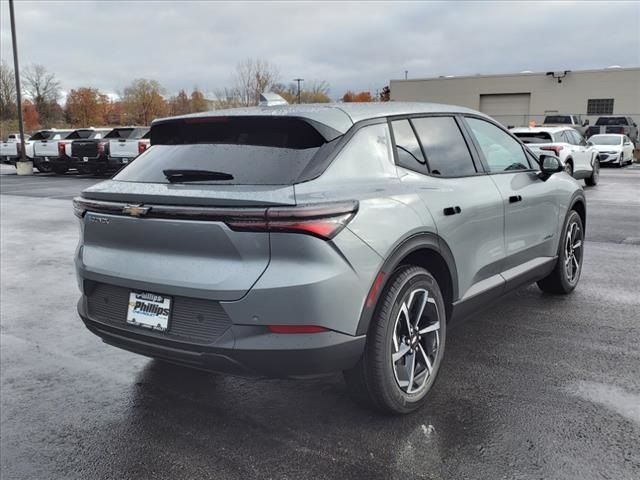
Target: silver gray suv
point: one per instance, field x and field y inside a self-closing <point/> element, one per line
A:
<point x="301" y="240"/>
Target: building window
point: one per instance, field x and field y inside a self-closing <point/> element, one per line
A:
<point x="600" y="106"/>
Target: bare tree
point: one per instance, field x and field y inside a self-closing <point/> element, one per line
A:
<point x="8" y="110"/>
<point x="253" y="76"/>
<point x="43" y="89"/>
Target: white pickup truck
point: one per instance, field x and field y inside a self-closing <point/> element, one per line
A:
<point x="125" y="144"/>
<point x="45" y="148"/>
<point x="10" y="150"/>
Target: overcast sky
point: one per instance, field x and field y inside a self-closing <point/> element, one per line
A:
<point x="357" y="46"/>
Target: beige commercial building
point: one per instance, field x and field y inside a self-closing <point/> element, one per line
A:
<point x="516" y="99"/>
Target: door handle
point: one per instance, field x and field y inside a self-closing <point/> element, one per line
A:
<point x="452" y="210"/>
<point x="515" y="198"/>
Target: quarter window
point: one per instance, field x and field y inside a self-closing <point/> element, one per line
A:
<point x="444" y="146"/>
<point x="407" y="146"/>
<point x="501" y="151"/>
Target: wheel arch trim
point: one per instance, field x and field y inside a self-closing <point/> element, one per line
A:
<point x="416" y="242"/>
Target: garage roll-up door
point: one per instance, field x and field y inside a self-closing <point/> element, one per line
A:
<point x="510" y="109"/>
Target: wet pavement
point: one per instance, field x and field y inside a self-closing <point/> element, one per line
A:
<point x="534" y="387"/>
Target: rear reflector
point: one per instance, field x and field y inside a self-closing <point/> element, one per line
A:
<point x="297" y="329"/>
<point x="374" y="290"/>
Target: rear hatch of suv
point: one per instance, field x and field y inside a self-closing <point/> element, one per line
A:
<point x="188" y="217"/>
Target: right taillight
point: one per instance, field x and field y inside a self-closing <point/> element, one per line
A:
<point x="142" y="146"/>
<point x="61" y="149"/>
<point x="322" y="220"/>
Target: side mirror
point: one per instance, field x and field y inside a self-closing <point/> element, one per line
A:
<point x="585" y="123"/>
<point x="549" y="165"/>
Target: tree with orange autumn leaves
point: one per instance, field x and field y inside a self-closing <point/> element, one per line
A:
<point x="87" y="107"/>
<point x="357" y="97"/>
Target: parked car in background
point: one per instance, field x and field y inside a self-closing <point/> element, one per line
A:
<point x="45" y="148"/>
<point x="10" y="149"/>
<point x="613" y="149"/>
<point x="301" y="240"/>
<point x="74" y="151"/>
<point x="573" y="121"/>
<point x="125" y="144"/>
<point x="616" y="124"/>
<point x="579" y="159"/>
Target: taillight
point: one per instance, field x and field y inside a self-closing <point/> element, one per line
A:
<point x="323" y="221"/>
<point x="102" y="146"/>
<point x="555" y="149"/>
<point x="142" y="146"/>
<point x="19" y="148"/>
<point x="61" y="149"/>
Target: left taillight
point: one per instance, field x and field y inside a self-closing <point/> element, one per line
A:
<point x="102" y="147"/>
<point x="61" y="149"/>
<point x="142" y="146"/>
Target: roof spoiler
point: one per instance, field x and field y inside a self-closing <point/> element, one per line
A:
<point x="271" y="99"/>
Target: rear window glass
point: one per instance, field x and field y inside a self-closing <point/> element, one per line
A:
<point x="45" y="135"/>
<point x="606" y="140"/>
<point x="254" y="151"/>
<point x="534" y="137"/>
<point x="611" y="121"/>
<point x="79" y="134"/>
<point x="557" y="119"/>
<point x="119" y="133"/>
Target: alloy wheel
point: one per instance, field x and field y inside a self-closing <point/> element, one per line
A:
<point x="416" y="341"/>
<point x="573" y="252"/>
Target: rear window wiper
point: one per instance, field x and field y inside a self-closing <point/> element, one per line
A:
<point x="178" y="176"/>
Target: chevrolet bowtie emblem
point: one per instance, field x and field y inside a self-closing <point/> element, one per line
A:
<point x="135" y="210"/>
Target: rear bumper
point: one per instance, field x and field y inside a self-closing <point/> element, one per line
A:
<point x="243" y="350"/>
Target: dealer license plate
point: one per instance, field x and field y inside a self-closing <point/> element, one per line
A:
<point x="149" y="310"/>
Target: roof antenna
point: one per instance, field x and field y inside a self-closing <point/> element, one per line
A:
<point x="271" y="99"/>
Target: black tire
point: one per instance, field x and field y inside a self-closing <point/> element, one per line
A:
<point x="377" y="377"/>
<point x="592" y="181"/>
<point x="559" y="281"/>
<point x="60" y="169"/>
<point x="568" y="167"/>
<point x="44" y="167"/>
<point x="83" y="169"/>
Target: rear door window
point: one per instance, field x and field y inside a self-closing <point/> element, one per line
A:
<point x="446" y="150"/>
<point x="249" y="150"/>
<point x="408" y="149"/>
<point x="501" y="152"/>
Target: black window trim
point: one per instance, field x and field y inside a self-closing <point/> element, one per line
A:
<point x="481" y="156"/>
<point x="480" y="170"/>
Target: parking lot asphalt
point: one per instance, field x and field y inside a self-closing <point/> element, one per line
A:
<point x="534" y="387"/>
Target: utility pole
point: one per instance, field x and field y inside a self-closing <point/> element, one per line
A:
<point x="298" y="80"/>
<point x="23" y="166"/>
<point x="406" y="73"/>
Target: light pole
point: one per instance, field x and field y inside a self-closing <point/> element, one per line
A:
<point x="298" y="80"/>
<point x="23" y="166"/>
<point x="406" y="73"/>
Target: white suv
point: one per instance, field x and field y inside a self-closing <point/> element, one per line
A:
<point x="579" y="159"/>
